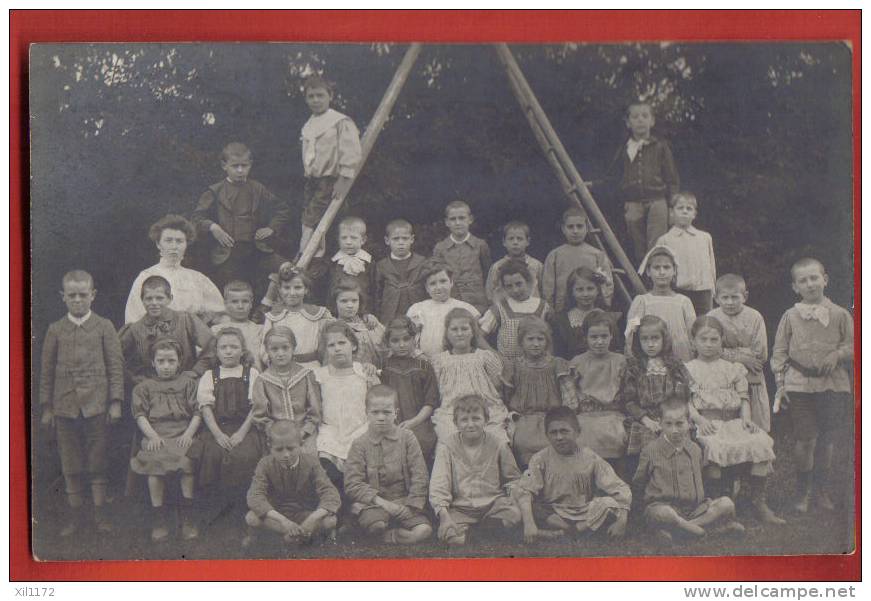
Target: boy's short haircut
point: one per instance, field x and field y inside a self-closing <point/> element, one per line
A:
<point x="399" y="224"/>
<point x="515" y="225"/>
<point x="514" y="267"/>
<point x="164" y="343"/>
<point x="434" y="266"/>
<point x="279" y="332"/>
<point x="282" y="428"/>
<point x="236" y="149"/>
<point x="598" y="317"/>
<point x="381" y="391"/>
<point x="729" y="281"/>
<point x="78" y="275"/>
<point x="675" y="403"/>
<point x="313" y="82"/>
<point x="806" y="262"/>
<point x="470" y="404"/>
<point x="687" y="196"/>
<point x="289" y="272"/>
<point x="156" y="281"/>
<point x="354" y="222"/>
<point x="534" y="323"/>
<point x="457" y="204"/>
<point x="573" y="211"/>
<point x="238" y="286"/>
<point x="172" y="222"/>
<point x="337" y="326"/>
<point x="635" y="103"/>
<point x="231" y="331"/>
<point x="562" y="414"/>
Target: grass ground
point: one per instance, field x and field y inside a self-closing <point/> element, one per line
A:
<point x="814" y="533"/>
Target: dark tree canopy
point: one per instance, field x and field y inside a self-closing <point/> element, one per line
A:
<point x="122" y="134"/>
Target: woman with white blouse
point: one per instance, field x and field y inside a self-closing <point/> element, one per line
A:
<point x="191" y="290"/>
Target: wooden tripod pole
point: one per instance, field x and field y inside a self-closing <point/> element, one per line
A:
<point x="562" y="163"/>
<point x="367" y="142"/>
<point x="562" y="176"/>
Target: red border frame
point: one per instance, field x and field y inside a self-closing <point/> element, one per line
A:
<point x="433" y="26"/>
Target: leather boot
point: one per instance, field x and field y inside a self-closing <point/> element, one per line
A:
<point x="159" y="525"/>
<point x="101" y="520"/>
<point x="189" y="530"/>
<point x="74" y="521"/>
<point x="821" y="490"/>
<point x="802" y="492"/>
<point x="763" y="511"/>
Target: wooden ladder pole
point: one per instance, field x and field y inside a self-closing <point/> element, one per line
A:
<point x="569" y="188"/>
<point x="552" y="146"/>
<point x="572" y="192"/>
<point x="376" y="124"/>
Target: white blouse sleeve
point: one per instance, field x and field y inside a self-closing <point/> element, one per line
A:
<point x="689" y="313"/>
<point x="206" y="390"/>
<point x="212" y="300"/>
<point x="253" y="374"/>
<point x="134" y="310"/>
<point x="489" y="322"/>
<point x="713" y="264"/>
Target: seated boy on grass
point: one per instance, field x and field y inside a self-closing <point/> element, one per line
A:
<point x="669" y="476"/>
<point x="386" y="475"/>
<point x="559" y="489"/>
<point x="290" y="493"/>
<point x="471" y="476"/>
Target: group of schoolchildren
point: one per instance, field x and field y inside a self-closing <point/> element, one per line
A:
<point x="444" y="392"/>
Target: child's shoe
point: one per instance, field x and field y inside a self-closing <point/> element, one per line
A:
<point x="802" y="492"/>
<point x="189" y="530"/>
<point x="377" y="530"/>
<point x="802" y="503"/>
<point x="547" y="534"/>
<point x="663" y="538"/>
<point x="763" y="511"/>
<point x="101" y="520"/>
<point x="689" y="529"/>
<point x="249" y="540"/>
<point x="159" y="526"/>
<point x="824" y="501"/>
<point x="766" y="515"/>
<point x="731" y="528"/>
<point x="821" y="489"/>
<point x="457" y="540"/>
<point x="329" y="530"/>
<point x="292" y="544"/>
<point x="73" y="524"/>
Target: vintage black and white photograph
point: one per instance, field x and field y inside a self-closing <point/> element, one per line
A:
<point x="428" y="300"/>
